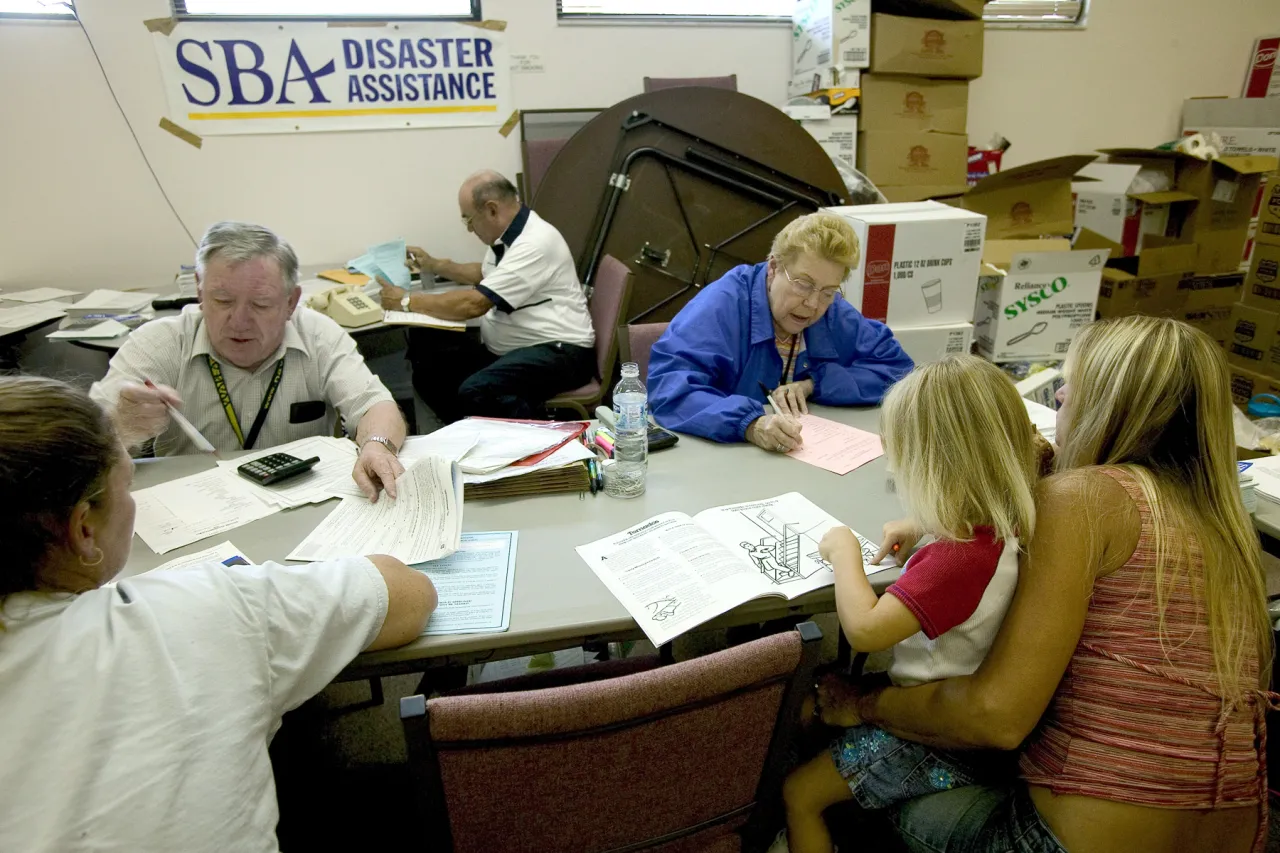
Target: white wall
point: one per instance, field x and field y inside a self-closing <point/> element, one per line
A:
<point x="79" y="208"/>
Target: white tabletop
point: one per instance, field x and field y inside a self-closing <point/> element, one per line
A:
<point x="558" y="601"/>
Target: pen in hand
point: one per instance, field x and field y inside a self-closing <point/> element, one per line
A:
<point x="185" y="425"/>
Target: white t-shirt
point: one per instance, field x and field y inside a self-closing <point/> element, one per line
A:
<point x="529" y="276"/>
<point x="137" y="717"/>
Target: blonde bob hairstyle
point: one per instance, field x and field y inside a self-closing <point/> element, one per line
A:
<point x="823" y="235"/>
<point x="1152" y="395"/>
<point x="961" y="447"/>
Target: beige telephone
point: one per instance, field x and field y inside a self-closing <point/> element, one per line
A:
<point x="347" y="306"/>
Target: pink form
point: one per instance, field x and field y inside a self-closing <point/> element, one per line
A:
<point x="835" y="446"/>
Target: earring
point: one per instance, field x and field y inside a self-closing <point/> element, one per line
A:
<point x="97" y="562"/>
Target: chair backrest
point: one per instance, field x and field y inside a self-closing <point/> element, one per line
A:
<point x="610" y="294"/>
<point x="640" y="340"/>
<point x="653" y="84"/>
<point x="678" y="757"/>
<point x="538" y="154"/>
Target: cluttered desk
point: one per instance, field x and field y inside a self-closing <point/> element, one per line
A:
<point x="529" y="554"/>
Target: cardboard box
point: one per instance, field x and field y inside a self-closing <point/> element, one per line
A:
<point x="918" y="265"/>
<point x="898" y="195"/>
<point x="1268" y="224"/>
<point x="837" y="135"/>
<point x="820" y="80"/>
<point x="930" y="343"/>
<point x="913" y="159"/>
<point x="893" y="103"/>
<point x="1253" y="342"/>
<point x="826" y="36"/>
<point x="1108" y="204"/>
<point x="1226" y="193"/>
<point x="1042" y="387"/>
<point x="1031" y="200"/>
<point x="1262" y="282"/>
<point x="1261" y="80"/>
<point x="1245" y="385"/>
<point x="1248" y="126"/>
<point x="928" y="47"/>
<point x="1034" y="308"/>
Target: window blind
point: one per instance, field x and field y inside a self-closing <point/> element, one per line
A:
<point x="1035" y="12"/>
<point x="382" y="9"/>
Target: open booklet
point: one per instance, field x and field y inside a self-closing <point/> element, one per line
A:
<point x="674" y="572"/>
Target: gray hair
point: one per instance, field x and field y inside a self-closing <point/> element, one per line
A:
<point x="242" y="241"/>
<point x="491" y="186"/>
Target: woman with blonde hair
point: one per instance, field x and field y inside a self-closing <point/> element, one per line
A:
<point x="1132" y="664"/>
<point x="960" y="444"/>
<point x="136" y="715"/>
<point x="780" y="326"/>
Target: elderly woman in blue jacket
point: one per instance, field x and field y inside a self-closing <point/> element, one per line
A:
<point x="781" y="324"/>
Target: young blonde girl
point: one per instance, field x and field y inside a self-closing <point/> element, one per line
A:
<point x="965" y="461"/>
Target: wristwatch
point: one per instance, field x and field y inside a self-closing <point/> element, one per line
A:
<point x="384" y="441"/>
<point x="404" y="306"/>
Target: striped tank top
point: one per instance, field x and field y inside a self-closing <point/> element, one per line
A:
<point x="1136" y="723"/>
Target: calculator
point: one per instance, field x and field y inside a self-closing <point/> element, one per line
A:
<point x="266" y="470"/>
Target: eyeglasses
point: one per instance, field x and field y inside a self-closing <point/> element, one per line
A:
<point x="466" y="220"/>
<point x="806" y="290"/>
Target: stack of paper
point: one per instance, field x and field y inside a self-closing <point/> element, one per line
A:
<point x="423" y="523"/>
<point x="18" y="317"/>
<point x="107" y="328"/>
<point x="39" y="294"/>
<point x="386" y="260"/>
<point x="1044" y="418"/>
<point x="496" y="444"/>
<point x="330" y="477"/>
<point x="1266" y="476"/>
<point x="111" y="302"/>
<point x="186" y="510"/>
<point x="413" y="318"/>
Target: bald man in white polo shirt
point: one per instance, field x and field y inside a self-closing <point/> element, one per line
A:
<point x="536" y="338"/>
<point x="249" y="367"/>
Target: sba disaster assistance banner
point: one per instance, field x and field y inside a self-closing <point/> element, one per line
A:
<point x="225" y="78"/>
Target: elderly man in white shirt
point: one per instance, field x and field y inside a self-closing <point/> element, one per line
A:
<point x="249" y="368"/>
<point x="536" y="338"/>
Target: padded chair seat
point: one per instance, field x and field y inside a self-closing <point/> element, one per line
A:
<point x="591" y="389"/>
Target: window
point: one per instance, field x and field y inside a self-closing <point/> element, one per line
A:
<point x="1001" y="13"/>
<point x="328" y="9"/>
<point x="658" y="10"/>
<point x="35" y="9"/>
<point x="1036" y="13"/>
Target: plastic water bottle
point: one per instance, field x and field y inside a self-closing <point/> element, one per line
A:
<point x="625" y="477"/>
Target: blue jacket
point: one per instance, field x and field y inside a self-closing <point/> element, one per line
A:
<point x="705" y="371"/>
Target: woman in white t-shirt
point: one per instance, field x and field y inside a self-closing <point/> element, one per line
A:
<point x="137" y="716"/>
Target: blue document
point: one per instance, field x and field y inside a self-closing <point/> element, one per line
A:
<point x="389" y="257"/>
<point x="474" y="584"/>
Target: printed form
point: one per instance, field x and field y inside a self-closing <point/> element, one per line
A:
<point x="424" y="522"/>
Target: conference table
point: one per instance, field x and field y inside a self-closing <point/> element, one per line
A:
<point x="558" y="602"/>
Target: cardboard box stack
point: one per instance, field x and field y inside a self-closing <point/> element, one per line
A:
<point x="918" y="273"/>
<point x="1253" y="337"/>
<point x="1247" y="127"/>
<point x="913" y="141"/>
<point x="1176" y="227"/>
<point x="830" y="45"/>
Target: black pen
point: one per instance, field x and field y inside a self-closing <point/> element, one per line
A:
<point x="765" y="391"/>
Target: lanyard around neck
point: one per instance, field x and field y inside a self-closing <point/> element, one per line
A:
<point x="215" y="370"/>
